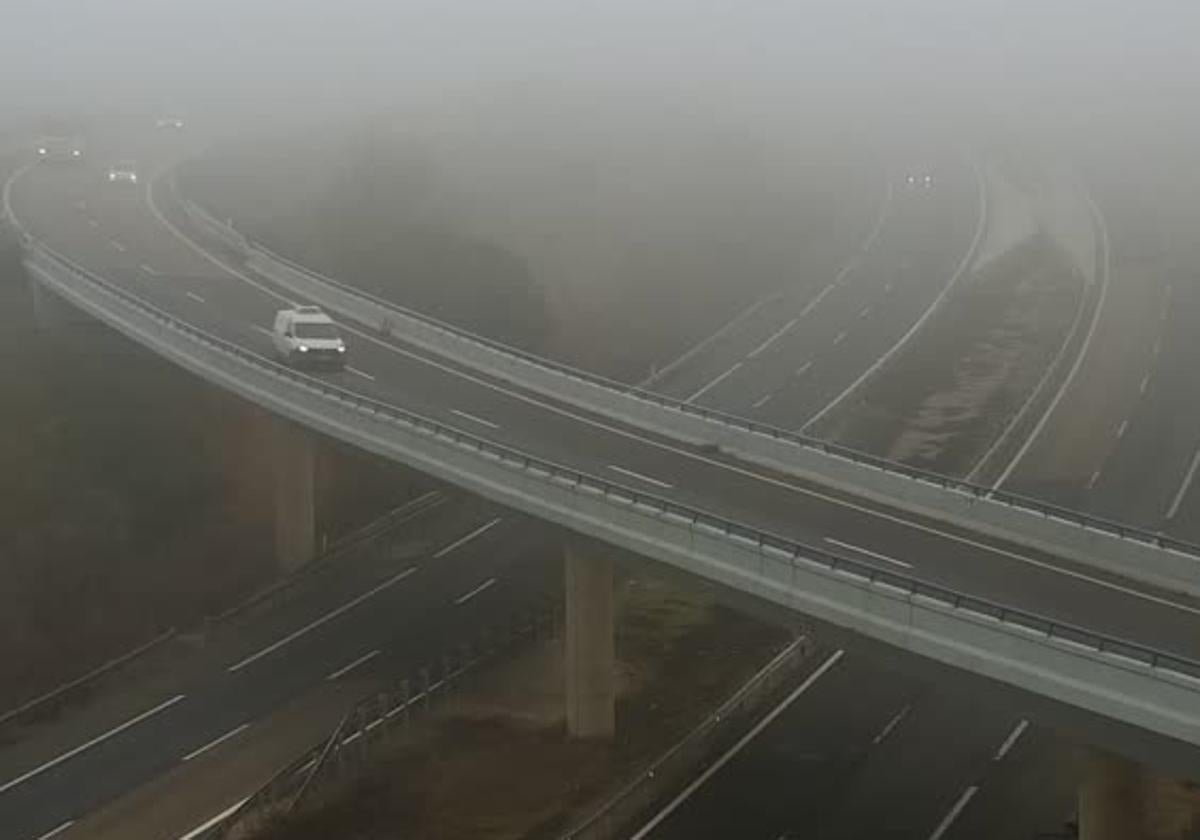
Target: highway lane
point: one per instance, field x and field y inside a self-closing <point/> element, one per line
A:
<point x="784" y="506"/>
<point x="931" y="790"/>
<point x="799" y="353"/>
<point x="259" y="666"/>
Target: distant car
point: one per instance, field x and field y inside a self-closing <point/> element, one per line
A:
<point x="307" y="336"/>
<point x="169" y="124"/>
<point x="60" y="149"/>
<point x="919" y="180"/>
<point x="123" y="172"/>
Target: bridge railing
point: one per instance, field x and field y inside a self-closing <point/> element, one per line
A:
<point x="696" y="521"/>
<point x="980" y="492"/>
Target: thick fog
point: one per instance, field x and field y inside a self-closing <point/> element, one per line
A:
<point x="900" y="62"/>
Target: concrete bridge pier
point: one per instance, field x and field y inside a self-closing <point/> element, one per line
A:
<point x="294" y="460"/>
<point x="590" y="658"/>
<point x="1121" y="800"/>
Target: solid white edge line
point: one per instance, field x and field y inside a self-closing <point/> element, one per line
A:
<point x="1106" y="251"/>
<point x="714" y="382"/>
<point x="346" y="669"/>
<point x="483" y="587"/>
<point x="461" y="541"/>
<point x="327" y="617"/>
<point x="640" y="477"/>
<point x="948" y="820"/>
<point x="182" y="237"/>
<point x="778" y="334"/>
<point x="1184" y="487"/>
<point x="1011" y="740"/>
<point x="112" y="733"/>
<point x="216" y="742"/>
<point x="217" y="820"/>
<point x="54" y="832"/>
<point x="795" y="488"/>
<point x="739" y="746"/>
<point x="464" y="415"/>
<point x="867" y="552"/>
<point x="927" y="314"/>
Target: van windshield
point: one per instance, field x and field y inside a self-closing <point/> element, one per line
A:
<point x="314" y="330"/>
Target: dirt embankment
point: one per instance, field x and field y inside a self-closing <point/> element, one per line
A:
<point x="497" y="764"/>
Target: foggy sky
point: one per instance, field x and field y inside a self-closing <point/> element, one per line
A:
<point x="1077" y="60"/>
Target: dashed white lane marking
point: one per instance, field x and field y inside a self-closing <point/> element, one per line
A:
<point x="868" y="552"/>
<point x="887" y="287"/>
<point x="803" y="369"/>
<point x="1145" y="384"/>
<point x="944" y="825"/>
<point x="464" y="415"/>
<point x="262" y="330"/>
<point x="54" y="832"/>
<point x="346" y="669"/>
<point x="640" y="477"/>
<point x="714" y="383"/>
<point x="153" y="272"/>
<point x="1092" y="481"/>
<point x="1183" y="488"/>
<point x="93" y="223"/>
<point x="69" y="754"/>
<point x="329" y="616"/>
<point x="763" y="401"/>
<point x="840" y="337"/>
<point x="1121" y="429"/>
<point x="199" y="830"/>
<point x="361" y="373"/>
<point x="778" y="334"/>
<point x="738" y="747"/>
<point x="877" y="514"/>
<point x="866" y="311"/>
<point x="483" y="587"/>
<point x="195" y="297"/>
<point x="891" y="725"/>
<point x="81" y="205"/>
<point x="461" y="541"/>
<point x="117" y="246"/>
<point x="216" y="742"/>
<point x="1157" y="347"/>
<point x="1011" y="740"/>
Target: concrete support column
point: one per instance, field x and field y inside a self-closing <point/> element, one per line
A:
<point x="590" y="656"/>
<point x="294" y="455"/>
<point x="1121" y="800"/>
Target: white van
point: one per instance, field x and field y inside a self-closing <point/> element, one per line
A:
<point x="307" y="336"/>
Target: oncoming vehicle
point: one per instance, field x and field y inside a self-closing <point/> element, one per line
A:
<point x="60" y="149"/>
<point x="307" y="336"/>
<point x="123" y="172"/>
<point x="920" y="180"/>
<point x="169" y="124"/>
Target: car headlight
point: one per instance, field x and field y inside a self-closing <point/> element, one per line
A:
<point x="41" y="151"/>
<point x="302" y="349"/>
<point x="133" y="177"/>
<point x="76" y="152"/>
<point x="341" y="348"/>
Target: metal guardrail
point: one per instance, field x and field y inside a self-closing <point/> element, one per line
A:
<point x="687" y="517"/>
<point x="356" y="733"/>
<point x="1016" y="500"/>
<point x="682" y="761"/>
